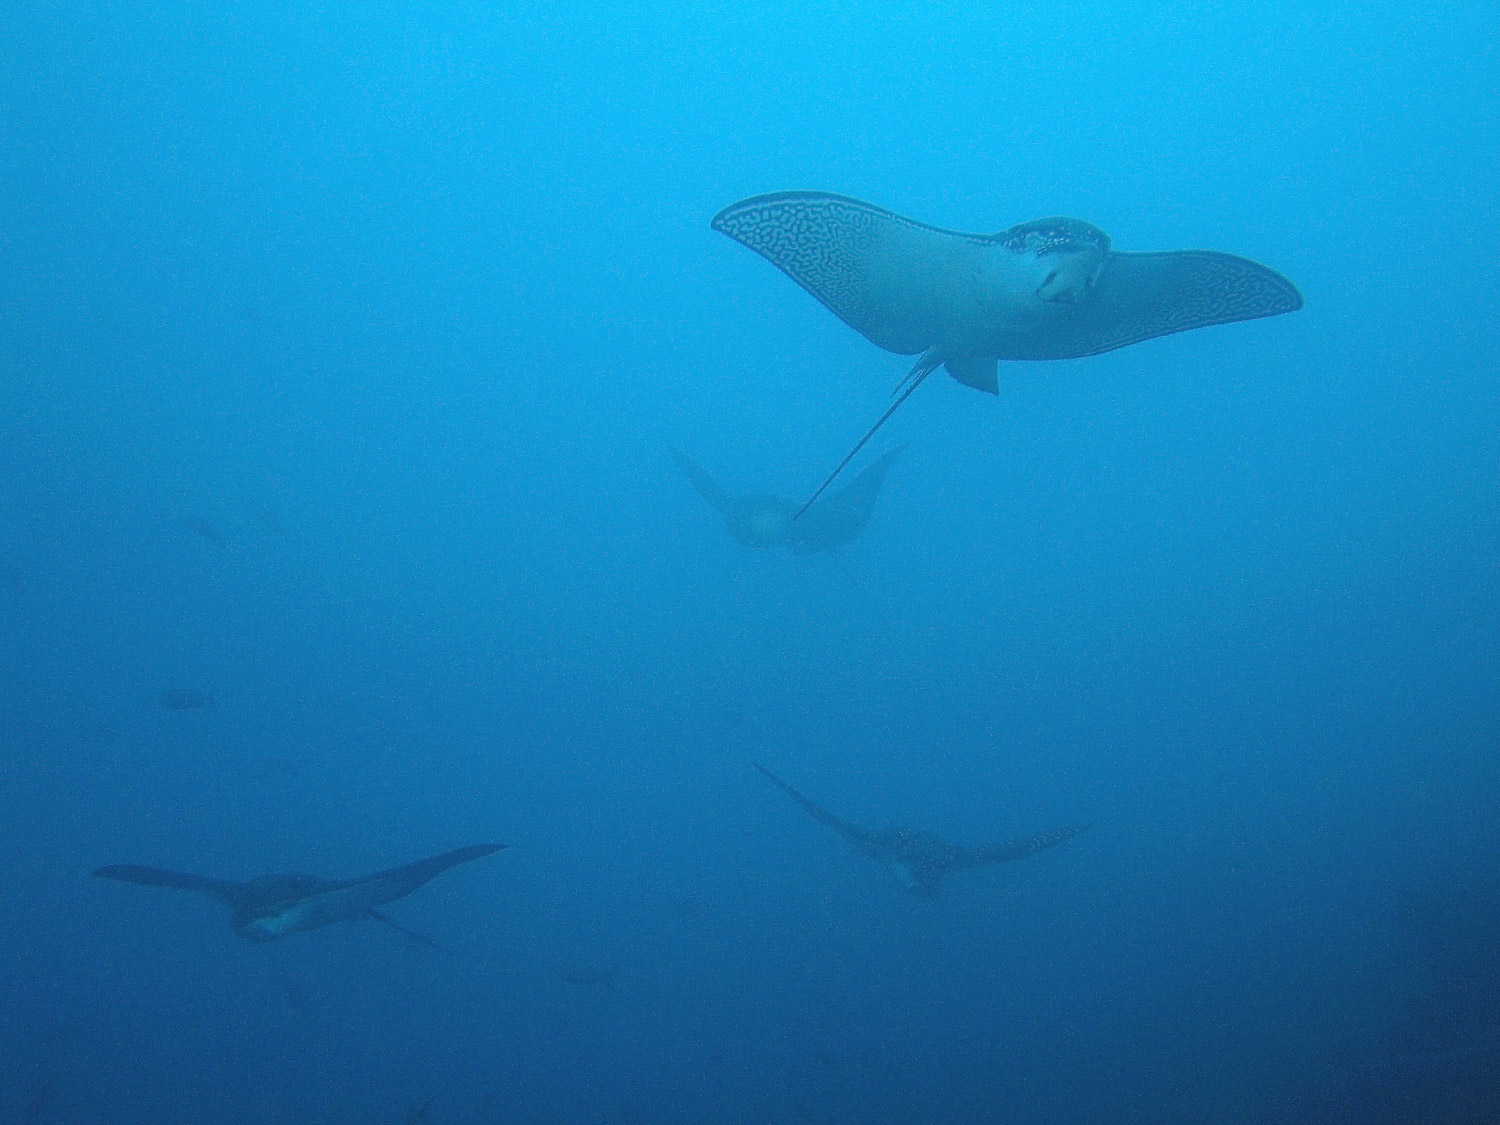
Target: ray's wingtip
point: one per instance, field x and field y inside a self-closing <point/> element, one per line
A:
<point x="473" y="852"/>
<point x="1291" y="295"/>
<point x="720" y="221"/>
<point x="120" y="872"/>
<point x="767" y="773"/>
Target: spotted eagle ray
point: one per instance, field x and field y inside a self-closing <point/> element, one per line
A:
<point x="926" y="859"/>
<point x="768" y="521"/>
<point x="1047" y="289"/>
<point x="272" y="906"/>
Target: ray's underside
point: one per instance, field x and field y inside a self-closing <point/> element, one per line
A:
<point x="967" y="300"/>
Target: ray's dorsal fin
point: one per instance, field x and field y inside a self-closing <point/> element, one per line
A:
<point x="981" y="374"/>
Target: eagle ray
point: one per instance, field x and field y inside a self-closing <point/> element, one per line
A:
<point x="1046" y="289"/>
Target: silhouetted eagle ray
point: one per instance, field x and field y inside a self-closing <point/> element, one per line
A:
<point x="926" y="859"/>
<point x="272" y="906"/>
<point x="1045" y="289"/>
<point x="769" y="521"/>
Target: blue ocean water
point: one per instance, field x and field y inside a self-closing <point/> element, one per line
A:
<point x="342" y="349"/>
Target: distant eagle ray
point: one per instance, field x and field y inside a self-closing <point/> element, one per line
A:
<point x="926" y="859"/>
<point x="770" y="521"/>
<point x="272" y="906"/>
<point x="1046" y="289"/>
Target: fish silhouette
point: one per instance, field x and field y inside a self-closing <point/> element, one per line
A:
<point x="926" y="859"/>
<point x="272" y="906"/>
<point x="185" y="699"/>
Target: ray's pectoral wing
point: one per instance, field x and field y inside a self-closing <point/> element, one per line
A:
<point x="398" y="882"/>
<point x="863" y="837"/>
<point x="893" y="280"/>
<point x="842" y="517"/>
<point x="701" y="480"/>
<point x="1012" y="849"/>
<point x="179" y="880"/>
<point x="1141" y="296"/>
<point x="859" y="496"/>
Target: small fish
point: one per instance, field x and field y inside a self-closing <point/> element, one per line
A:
<point x="588" y="976"/>
<point x="185" y="699"/>
<point x="206" y="530"/>
<point x="269" y="521"/>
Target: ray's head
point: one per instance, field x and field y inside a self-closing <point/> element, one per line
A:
<point x="262" y="928"/>
<point x="768" y="523"/>
<point x="760" y="521"/>
<point x="1058" y="260"/>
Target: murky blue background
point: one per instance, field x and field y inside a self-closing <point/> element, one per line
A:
<point x="341" y="347"/>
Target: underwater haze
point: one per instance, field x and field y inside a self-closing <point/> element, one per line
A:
<point x="352" y="357"/>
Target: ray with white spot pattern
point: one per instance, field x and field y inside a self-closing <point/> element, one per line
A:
<point x="1046" y="289"/>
